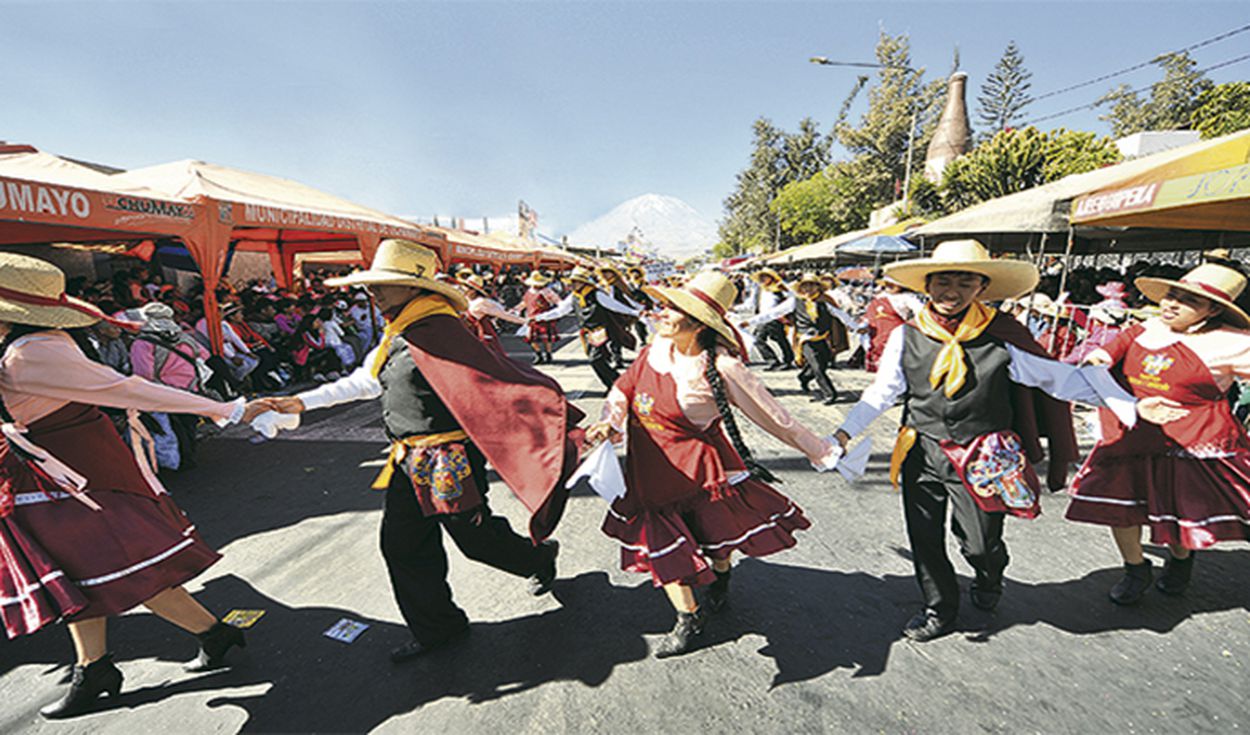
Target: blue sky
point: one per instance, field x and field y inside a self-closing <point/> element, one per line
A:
<point x="462" y="108"/>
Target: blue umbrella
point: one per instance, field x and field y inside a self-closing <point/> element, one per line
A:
<point x="878" y="245"/>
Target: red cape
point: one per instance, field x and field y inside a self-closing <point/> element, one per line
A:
<point x="516" y="415"/>
<point x="1037" y="414"/>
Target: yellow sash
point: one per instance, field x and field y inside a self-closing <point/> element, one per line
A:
<point x="951" y="364"/>
<point x="902" y="447"/>
<point x="400" y="448"/>
<point x="416" y="310"/>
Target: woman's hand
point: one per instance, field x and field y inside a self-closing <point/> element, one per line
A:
<point x="842" y="438"/>
<point x="1160" y="410"/>
<point x="600" y="432"/>
<point x="253" y="409"/>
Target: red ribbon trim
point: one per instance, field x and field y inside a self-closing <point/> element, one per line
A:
<point x="63" y="301"/>
<point x="720" y="311"/>
<point x="1209" y="289"/>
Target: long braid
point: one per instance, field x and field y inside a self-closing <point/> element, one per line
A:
<point x="707" y="340"/>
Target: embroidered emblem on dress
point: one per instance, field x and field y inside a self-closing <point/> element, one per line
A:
<point x="644" y="403"/>
<point x="999" y="470"/>
<point x="443" y="470"/>
<point x="1156" y="364"/>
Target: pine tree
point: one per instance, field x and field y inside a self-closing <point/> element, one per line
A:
<point x="1172" y="103"/>
<point x="1005" y="92"/>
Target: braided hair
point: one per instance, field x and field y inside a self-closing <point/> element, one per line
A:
<point x="707" y="339"/>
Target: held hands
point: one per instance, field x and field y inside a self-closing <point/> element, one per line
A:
<point x="252" y="409"/>
<point x="842" y="438"/>
<point x="1160" y="410"/>
<point x="281" y="404"/>
<point x="600" y="432"/>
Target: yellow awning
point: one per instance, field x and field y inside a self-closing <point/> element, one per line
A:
<point x="1209" y="190"/>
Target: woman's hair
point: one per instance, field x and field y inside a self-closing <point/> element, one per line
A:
<point x="708" y="340"/>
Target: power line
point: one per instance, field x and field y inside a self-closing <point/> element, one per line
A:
<point x="1144" y="64"/>
<point x="1148" y="87"/>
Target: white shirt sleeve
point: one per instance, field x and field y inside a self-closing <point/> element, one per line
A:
<point x="890" y="384"/>
<point x="1087" y="384"/>
<point x="609" y="302"/>
<point x="562" y="309"/>
<point x="782" y="308"/>
<point x="360" y="385"/>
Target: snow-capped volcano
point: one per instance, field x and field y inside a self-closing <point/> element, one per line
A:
<point x="665" y="224"/>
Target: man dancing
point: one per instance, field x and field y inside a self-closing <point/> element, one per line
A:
<point x="971" y="423"/>
<point x="603" y="321"/>
<point x="775" y="304"/>
<point x="450" y="404"/>
<point x="537" y="299"/>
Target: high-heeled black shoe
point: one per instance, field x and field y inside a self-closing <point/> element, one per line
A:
<point x="214" y="643"/>
<point x="86" y="686"/>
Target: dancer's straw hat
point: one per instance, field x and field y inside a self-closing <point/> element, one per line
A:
<point x="1008" y="278"/>
<point x="403" y="263"/>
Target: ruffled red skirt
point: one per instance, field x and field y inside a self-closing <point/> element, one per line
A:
<point x="1187" y="501"/>
<point x="543" y="333"/>
<point x="59" y="559"/>
<point x="677" y="545"/>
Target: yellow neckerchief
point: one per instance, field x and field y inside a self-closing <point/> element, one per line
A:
<point x="773" y="286"/>
<point x="809" y="304"/>
<point x="582" y="294"/>
<point x="951" y="364"/>
<point x="419" y="308"/>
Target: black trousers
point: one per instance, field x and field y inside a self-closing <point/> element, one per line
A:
<point x="601" y="363"/>
<point x="412" y="545"/>
<point x="640" y="329"/>
<point x="817" y="359"/>
<point x="929" y="481"/>
<point x="776" y="332"/>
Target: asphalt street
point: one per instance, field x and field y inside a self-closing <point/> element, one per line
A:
<point x="809" y="643"/>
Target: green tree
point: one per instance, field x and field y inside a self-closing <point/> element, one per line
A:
<point x="1172" y="101"/>
<point x="1005" y="92"/>
<point x="777" y="159"/>
<point x="1015" y="160"/>
<point x="833" y="201"/>
<point x="1223" y="109"/>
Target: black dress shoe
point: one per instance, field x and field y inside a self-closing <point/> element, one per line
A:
<point x="829" y="401"/>
<point x="774" y="367"/>
<point x="540" y="583"/>
<point x="1176" y="575"/>
<point x="214" y="643"/>
<point x="416" y="649"/>
<point x="1130" y="589"/>
<point x="985" y="598"/>
<point x="681" y="639"/>
<point x="88" y="683"/>
<point x="927" y="625"/>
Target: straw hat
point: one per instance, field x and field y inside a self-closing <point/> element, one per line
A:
<point x="536" y="279"/>
<point x="582" y="275"/>
<point x="1109" y="312"/>
<point x="1039" y="303"/>
<point x="605" y="269"/>
<point x="32" y="291"/>
<point x="1008" y="278"/>
<point x="636" y="270"/>
<point x="807" y="279"/>
<point x="403" y="263"/>
<point x="476" y="283"/>
<point x="706" y="298"/>
<point x="759" y="275"/>
<point x="1219" y="283"/>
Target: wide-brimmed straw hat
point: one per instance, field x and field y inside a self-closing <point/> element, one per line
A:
<point x="1219" y="283"/>
<point x="603" y="269"/>
<point x="759" y="275"/>
<point x="809" y="279"/>
<point x="537" y="280"/>
<point x="32" y="291"/>
<point x="403" y="263"/>
<point x="476" y="283"/>
<point x="1008" y="278"/>
<point x="635" y="270"/>
<point x="706" y="298"/>
<point x="583" y="275"/>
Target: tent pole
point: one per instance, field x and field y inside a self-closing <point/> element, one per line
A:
<point x="1063" y="282"/>
<point x="1041" y="250"/>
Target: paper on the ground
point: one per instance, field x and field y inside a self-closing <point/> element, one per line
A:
<point x="242" y="618"/>
<point x="603" y="470"/>
<point x="346" y="630"/>
<point x="854" y="463"/>
<point x="270" y="422"/>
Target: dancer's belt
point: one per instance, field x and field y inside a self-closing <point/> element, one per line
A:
<point x="400" y="447"/>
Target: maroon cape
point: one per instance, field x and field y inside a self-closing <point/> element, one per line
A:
<point x="517" y="416"/>
<point x="1037" y="414"/>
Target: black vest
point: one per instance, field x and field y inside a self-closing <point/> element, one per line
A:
<point x="806" y="325"/>
<point x="410" y="407"/>
<point x="590" y="316"/>
<point x="982" y="405"/>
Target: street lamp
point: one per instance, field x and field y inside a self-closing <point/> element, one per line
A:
<point x="911" y="130"/>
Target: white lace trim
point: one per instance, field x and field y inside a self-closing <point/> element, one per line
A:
<point x="1109" y="501"/>
<point x="33" y="498"/>
<point x="113" y="576"/>
<point x="25" y="595"/>
<point x="1198" y="523"/>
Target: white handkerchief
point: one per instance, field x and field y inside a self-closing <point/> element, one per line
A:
<point x="524" y="331"/>
<point x="603" y="470"/>
<point x="270" y="422"/>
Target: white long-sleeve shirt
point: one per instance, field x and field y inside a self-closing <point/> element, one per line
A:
<point x="359" y="385"/>
<point x="569" y="303"/>
<point x="773" y="306"/>
<point x="1090" y="385"/>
